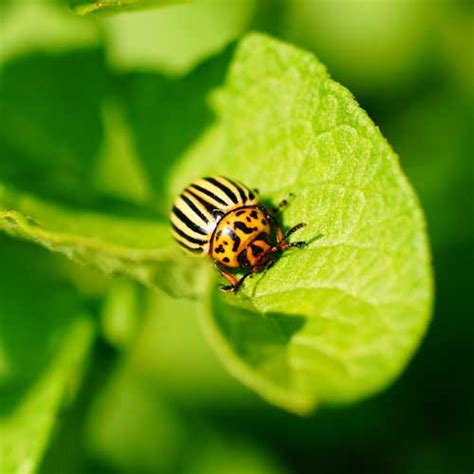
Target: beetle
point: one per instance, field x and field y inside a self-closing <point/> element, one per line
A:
<point x="225" y="220"/>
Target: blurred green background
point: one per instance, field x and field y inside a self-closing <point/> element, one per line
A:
<point x="112" y="94"/>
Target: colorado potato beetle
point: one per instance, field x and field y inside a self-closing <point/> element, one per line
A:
<point x="225" y="220"/>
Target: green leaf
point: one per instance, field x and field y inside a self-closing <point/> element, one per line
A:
<point x="42" y="350"/>
<point x="338" y="320"/>
<point x="26" y="429"/>
<point x="85" y="7"/>
<point x="138" y="248"/>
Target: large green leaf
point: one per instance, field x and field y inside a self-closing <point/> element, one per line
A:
<point x="336" y="321"/>
<point x="141" y="249"/>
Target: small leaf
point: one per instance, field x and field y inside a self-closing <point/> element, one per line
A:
<point x="360" y="293"/>
<point x="26" y="429"/>
<point x="45" y="336"/>
<point x="138" y="248"/>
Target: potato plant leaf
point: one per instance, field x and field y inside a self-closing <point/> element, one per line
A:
<point x="26" y="430"/>
<point x="138" y="248"/>
<point x="338" y="320"/>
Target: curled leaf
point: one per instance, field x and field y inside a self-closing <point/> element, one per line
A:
<point x="360" y="293"/>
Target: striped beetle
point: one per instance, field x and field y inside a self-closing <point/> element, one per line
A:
<point x="224" y="219"/>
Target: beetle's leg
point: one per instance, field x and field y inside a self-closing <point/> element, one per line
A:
<point x="283" y="239"/>
<point x="232" y="279"/>
<point x="295" y="228"/>
<point x="279" y="233"/>
<point x="235" y="283"/>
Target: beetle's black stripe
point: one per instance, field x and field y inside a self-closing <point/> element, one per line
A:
<point x="209" y="193"/>
<point x="191" y="249"/>
<point x="194" y="208"/>
<point x="235" y="238"/>
<point x="209" y="207"/>
<point x="241" y="191"/>
<point x="243" y="227"/>
<point x="188" y="237"/>
<point x="224" y="188"/>
<point x="188" y="222"/>
<point x="243" y="260"/>
<point x="256" y="250"/>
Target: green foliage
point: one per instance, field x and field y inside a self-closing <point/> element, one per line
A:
<point x="359" y="296"/>
<point x="92" y="157"/>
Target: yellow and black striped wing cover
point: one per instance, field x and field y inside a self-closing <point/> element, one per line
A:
<point x="200" y="207"/>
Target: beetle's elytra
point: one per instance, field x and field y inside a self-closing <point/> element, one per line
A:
<point x="224" y="219"/>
